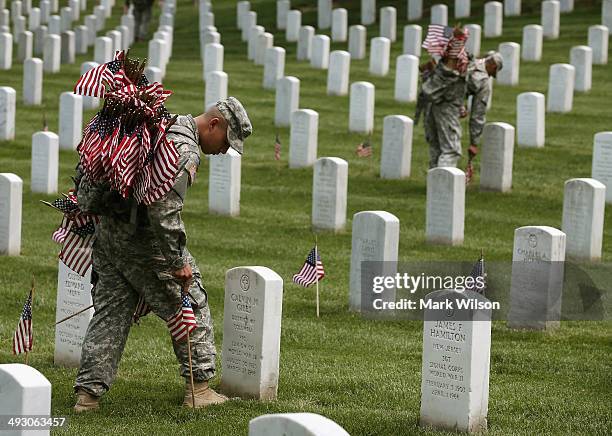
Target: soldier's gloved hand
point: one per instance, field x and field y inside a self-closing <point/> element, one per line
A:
<point x="473" y="151"/>
<point x="184" y="275"/>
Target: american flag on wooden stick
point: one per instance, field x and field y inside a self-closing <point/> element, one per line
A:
<point x="23" y="338"/>
<point x="364" y="149"/>
<point x="311" y="271"/>
<point x="183" y="321"/>
<point x="277" y="148"/>
<point x="142" y="309"/>
<point x="94" y="82"/>
<point x="77" y="245"/>
<point x="478" y="271"/>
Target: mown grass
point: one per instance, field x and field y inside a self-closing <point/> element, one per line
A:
<point x="363" y="374"/>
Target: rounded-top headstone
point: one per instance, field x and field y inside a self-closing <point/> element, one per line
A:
<point x="294" y="424"/>
<point x="25" y="391"/>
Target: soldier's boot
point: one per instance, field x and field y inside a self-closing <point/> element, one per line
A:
<point x="86" y="401"/>
<point x="203" y="394"/>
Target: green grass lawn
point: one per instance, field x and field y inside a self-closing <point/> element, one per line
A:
<point x="363" y="374"/>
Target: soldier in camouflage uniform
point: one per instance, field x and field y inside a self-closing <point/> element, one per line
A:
<point x="478" y="87"/>
<point x="142" y="17"/>
<point x="442" y="96"/>
<point x="141" y="251"/>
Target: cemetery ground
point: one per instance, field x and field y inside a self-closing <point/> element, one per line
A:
<point x="363" y="374"/>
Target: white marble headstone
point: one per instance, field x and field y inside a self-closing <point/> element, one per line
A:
<point x="581" y="57"/>
<point x="274" y="66"/>
<point x="45" y="161"/>
<point x="537" y="278"/>
<point x="497" y="157"/>
<point x="224" y="183"/>
<point x="329" y="193"/>
<point x="509" y="74"/>
<point x="532" y="43"/>
<point x="412" y="40"/>
<point x="598" y="41"/>
<point x="304" y="45"/>
<point x="338" y="73"/>
<point x="282" y="7"/>
<point x="320" y="52"/>
<point x="375" y="238"/>
<point x="70" y="120"/>
<point x="388" y="23"/>
<point x="73" y="294"/>
<point x="560" y="88"/>
<point x="8" y="98"/>
<point x="251" y="332"/>
<point x="439" y="14"/>
<point x="584" y="203"/>
<point x="242" y="7"/>
<point x="462" y="8"/>
<point x="396" y="152"/>
<point x="493" y="21"/>
<point x="406" y="78"/>
<point x="445" y="206"/>
<point x="25" y="391"/>
<point x="92" y="102"/>
<point x="357" y="41"/>
<point x="32" y="81"/>
<point x="251" y="45"/>
<point x="415" y="10"/>
<point x="81" y="38"/>
<point x="472" y="44"/>
<point x="303" y="138"/>
<point x="530" y="119"/>
<point x="606" y="13"/>
<point x="11" y="188"/>
<point x="324" y="14"/>
<point x="294" y="424"/>
<point x="339" y="25"/>
<point x="550" y="19"/>
<point x="456" y="363"/>
<point x="512" y="8"/>
<point x="68" y="48"/>
<point x="379" y="56"/>
<point x="90" y="23"/>
<point x="264" y="42"/>
<point x="294" y="22"/>
<point x="103" y="50"/>
<point x="216" y="88"/>
<point x="287" y="100"/>
<point x="249" y="19"/>
<point x="24" y="50"/>
<point x="361" y="107"/>
<point x="368" y="12"/>
<point x="51" y="54"/>
<point x="213" y="58"/>
<point x="601" y="168"/>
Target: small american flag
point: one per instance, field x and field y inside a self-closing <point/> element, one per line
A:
<point x="183" y="321"/>
<point x="277" y="148"/>
<point x="142" y="309"/>
<point x="310" y="273"/>
<point x="478" y="271"/>
<point x="22" y="339"/>
<point x="93" y="83"/>
<point x="441" y="41"/>
<point x="59" y="236"/>
<point x="364" y="149"/>
<point x="76" y="251"/>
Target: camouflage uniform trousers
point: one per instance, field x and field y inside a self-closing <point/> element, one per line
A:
<point x="443" y="133"/>
<point x="115" y="296"/>
<point x="142" y="17"/>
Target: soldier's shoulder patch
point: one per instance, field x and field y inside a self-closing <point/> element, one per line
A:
<point x="192" y="170"/>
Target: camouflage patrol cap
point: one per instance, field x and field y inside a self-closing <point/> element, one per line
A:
<point x="238" y="123"/>
<point x="497" y="59"/>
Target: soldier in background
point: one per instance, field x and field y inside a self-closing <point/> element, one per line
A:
<point x="142" y="17"/>
<point x="140" y="251"/>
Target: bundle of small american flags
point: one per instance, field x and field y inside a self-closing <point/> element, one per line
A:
<point x="23" y="338"/>
<point x="446" y="43"/>
<point x="312" y="271"/>
<point x="125" y="144"/>
<point x="76" y="233"/>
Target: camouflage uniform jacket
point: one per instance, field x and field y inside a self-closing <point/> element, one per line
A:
<point x="478" y="87"/>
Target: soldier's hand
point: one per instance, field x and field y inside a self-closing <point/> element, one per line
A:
<point x="463" y="112"/>
<point x="184" y="275"/>
<point x="473" y="150"/>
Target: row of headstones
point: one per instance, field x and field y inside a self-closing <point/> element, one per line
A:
<point x="61" y="47"/>
<point x="445" y="186"/>
<point x="27" y="392"/>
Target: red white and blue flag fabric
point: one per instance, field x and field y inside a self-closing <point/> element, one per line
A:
<point x="23" y="338"/>
<point x="441" y="41"/>
<point x="183" y="321"/>
<point x="312" y="271"/>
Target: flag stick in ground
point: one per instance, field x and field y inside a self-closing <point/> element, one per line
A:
<point x="31" y="304"/>
<point x="74" y="314"/>
<point x="317" y="275"/>
<point x="186" y="289"/>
